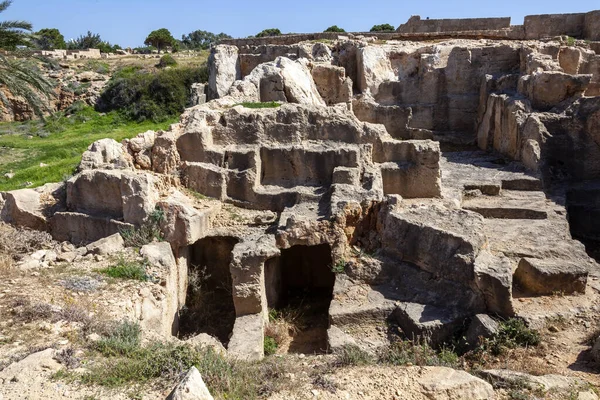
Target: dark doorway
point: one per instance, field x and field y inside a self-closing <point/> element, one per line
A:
<point x="300" y="288"/>
<point x="209" y="304"/>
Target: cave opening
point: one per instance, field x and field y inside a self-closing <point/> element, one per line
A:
<point x="299" y="287"/>
<point x="209" y="306"/>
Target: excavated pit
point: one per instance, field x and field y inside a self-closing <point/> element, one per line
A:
<point x="300" y="283"/>
<point x="209" y="306"/>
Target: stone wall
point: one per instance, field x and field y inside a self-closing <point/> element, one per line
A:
<point x="548" y="25"/>
<point x="417" y="25"/>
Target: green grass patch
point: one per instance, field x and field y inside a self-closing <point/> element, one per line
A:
<point x="270" y="104"/>
<point x="270" y="346"/>
<point x="58" y="143"/>
<point x="126" y="269"/>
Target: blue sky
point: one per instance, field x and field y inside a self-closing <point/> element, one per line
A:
<point x="127" y="22"/>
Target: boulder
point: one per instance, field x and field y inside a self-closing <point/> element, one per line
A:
<point x="143" y="141"/>
<point x="204" y="340"/>
<point x="159" y="254"/>
<point x="298" y="83"/>
<point x="337" y="339"/>
<point x="548" y="89"/>
<point x="23" y="208"/>
<point x="545" y="382"/>
<point x="108" y="245"/>
<point x="31" y="367"/>
<point x="550" y="276"/>
<point x="223" y="70"/>
<point x="198" y="94"/>
<point x="105" y="154"/>
<point x="493" y="276"/>
<point x="481" y="327"/>
<point x="424" y="322"/>
<point x="191" y="387"/>
<point x="248" y="338"/>
<point x="443" y="383"/>
<point x="165" y="157"/>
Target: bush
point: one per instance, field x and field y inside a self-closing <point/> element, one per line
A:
<point x="166" y="61"/>
<point x="147" y="233"/>
<point x="269" y="32"/>
<point x="513" y="333"/>
<point x="123" y="339"/>
<point x="271" y="104"/>
<point x="334" y="28"/>
<point x="126" y="269"/>
<point x="141" y="96"/>
<point x="414" y="353"/>
<point x="383" y="28"/>
<point x="352" y="355"/>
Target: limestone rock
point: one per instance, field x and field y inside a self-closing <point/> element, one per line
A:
<point x="332" y="84"/>
<point x="338" y="339"/>
<point x="108" y="245"/>
<point x="159" y="254"/>
<point x="224" y="69"/>
<point x="165" y="157"/>
<point x="30" y="368"/>
<point x="482" y="327"/>
<point x="449" y="384"/>
<point x="204" y="340"/>
<point x="105" y="154"/>
<point x="544" y="382"/>
<point x="548" y="89"/>
<point x="23" y="208"/>
<point x="298" y="83"/>
<point x="191" y="387"/>
<point x="425" y="322"/>
<point x="546" y="277"/>
<point x="247" y="340"/>
<point x="493" y="276"/>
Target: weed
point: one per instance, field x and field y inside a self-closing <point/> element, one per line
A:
<point x="271" y="104"/>
<point x="570" y="41"/>
<point x="67" y="358"/>
<point x="511" y="334"/>
<point x="147" y="233"/>
<point x="270" y="346"/>
<point x="123" y="339"/>
<point x="408" y="352"/>
<point x="352" y="355"/>
<point x="339" y="267"/>
<point x="26" y="312"/>
<point x="127" y="269"/>
<point x="325" y="384"/>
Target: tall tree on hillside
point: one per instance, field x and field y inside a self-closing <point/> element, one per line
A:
<point x="88" y="41"/>
<point x="20" y="77"/>
<point x="160" y="39"/>
<point x="202" y="39"/>
<point x="13" y="33"/>
<point x="49" y="39"/>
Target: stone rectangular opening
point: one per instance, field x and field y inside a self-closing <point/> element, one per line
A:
<point x="209" y="306"/>
<point x="299" y="290"/>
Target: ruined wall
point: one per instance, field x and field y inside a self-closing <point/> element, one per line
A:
<point x="548" y="25"/>
<point x="417" y="25"/>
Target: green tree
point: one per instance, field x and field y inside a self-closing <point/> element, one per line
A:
<point x="20" y="77"/>
<point x="269" y="32"/>
<point x="49" y="39"/>
<point x="202" y="39"/>
<point x="334" y="28"/>
<point x="160" y="39"/>
<point x="13" y="33"/>
<point x="87" y="41"/>
<point x="383" y="28"/>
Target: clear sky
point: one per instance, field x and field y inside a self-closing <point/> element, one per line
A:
<point x="127" y="22"/>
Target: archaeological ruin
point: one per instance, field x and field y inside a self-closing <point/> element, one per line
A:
<point x="419" y="178"/>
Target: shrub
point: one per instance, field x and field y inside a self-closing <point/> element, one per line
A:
<point x="166" y="61"/>
<point x="126" y="269"/>
<point x="383" y="28"/>
<point x="406" y="352"/>
<point x="270" y="346"/>
<point x="147" y="233"/>
<point x="269" y="32"/>
<point x="352" y="355"/>
<point x="339" y="267"/>
<point x="123" y="339"/>
<point x="334" y="28"/>
<point x="141" y="96"/>
<point x="513" y="333"/>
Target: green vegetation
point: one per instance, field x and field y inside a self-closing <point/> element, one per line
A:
<point x="270" y="346"/>
<point x="570" y="41"/>
<point x="147" y="233"/>
<point x="512" y="333"/>
<point x="383" y="28"/>
<point x="57" y="144"/>
<point x="49" y="39"/>
<point x="269" y="32"/>
<point x="339" y="267"/>
<point x="126" y="269"/>
<point x="92" y="41"/>
<point x="167" y="61"/>
<point x="334" y="28"/>
<point x="139" y="95"/>
<point x="201" y="40"/>
<point x="13" y="33"/>
<point x="160" y="39"/>
<point x="271" y="104"/>
<point x="120" y="360"/>
<point x="352" y="355"/>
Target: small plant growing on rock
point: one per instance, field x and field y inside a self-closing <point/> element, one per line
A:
<point x="147" y="233"/>
<point x="339" y="267"/>
<point x="270" y="346"/>
<point x="270" y="104"/>
<point x="352" y="355"/>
